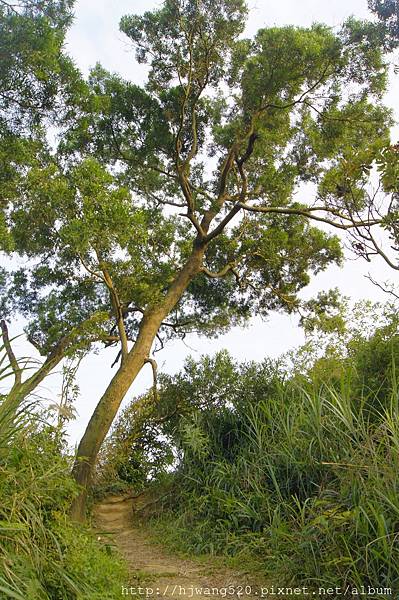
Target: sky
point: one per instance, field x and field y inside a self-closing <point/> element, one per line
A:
<point x="95" y="37"/>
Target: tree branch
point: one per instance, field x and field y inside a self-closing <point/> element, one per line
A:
<point x="387" y="288"/>
<point x="300" y="98"/>
<point x="116" y="359"/>
<point x="154" y="367"/>
<point x="221" y="198"/>
<point x="309" y="213"/>
<point x="219" y="274"/>
<point x="117" y="306"/>
<point x="11" y="356"/>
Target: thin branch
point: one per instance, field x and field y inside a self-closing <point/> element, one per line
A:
<point x="154" y="367"/>
<point x="176" y="326"/>
<point x="162" y="345"/>
<point x="95" y="274"/>
<point x="380" y="252"/>
<point x="167" y="202"/>
<point x="11" y="356"/>
<point x="297" y="100"/>
<point x="163" y="172"/>
<point x="306" y="213"/>
<point x="219" y="274"/>
<point x="117" y="359"/>
<point x="12" y="7"/>
<point x="117" y="306"/>
<point x="383" y="287"/>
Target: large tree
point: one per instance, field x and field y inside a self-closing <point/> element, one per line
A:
<point x="195" y="202"/>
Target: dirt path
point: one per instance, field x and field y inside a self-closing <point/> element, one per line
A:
<point x="154" y="569"/>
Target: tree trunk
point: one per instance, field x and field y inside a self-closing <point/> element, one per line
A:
<point x="108" y="406"/>
<point x="22" y="389"/>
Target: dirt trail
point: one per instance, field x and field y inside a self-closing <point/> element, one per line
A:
<point x="152" y="566"/>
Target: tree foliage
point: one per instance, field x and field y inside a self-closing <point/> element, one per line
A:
<point x="387" y="12"/>
<point x="37" y="80"/>
<point x="296" y="104"/>
<point x="193" y="202"/>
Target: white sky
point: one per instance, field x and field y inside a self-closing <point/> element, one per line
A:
<point x="95" y="37"/>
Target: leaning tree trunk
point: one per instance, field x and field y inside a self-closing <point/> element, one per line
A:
<point x="22" y="389"/>
<point x="108" y="406"/>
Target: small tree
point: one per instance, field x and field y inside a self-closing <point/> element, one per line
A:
<point x="173" y="208"/>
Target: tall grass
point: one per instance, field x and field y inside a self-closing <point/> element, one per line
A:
<point x="43" y="556"/>
<point x="318" y="477"/>
<point x="298" y="473"/>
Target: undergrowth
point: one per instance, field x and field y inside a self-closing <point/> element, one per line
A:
<point x="296" y="472"/>
<point x="44" y="556"/>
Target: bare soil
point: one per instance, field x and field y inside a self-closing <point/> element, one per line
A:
<point x="153" y="568"/>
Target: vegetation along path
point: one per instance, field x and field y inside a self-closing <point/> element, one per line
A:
<point x="154" y="570"/>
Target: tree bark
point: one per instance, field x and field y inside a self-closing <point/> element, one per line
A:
<point x="108" y="406"/>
